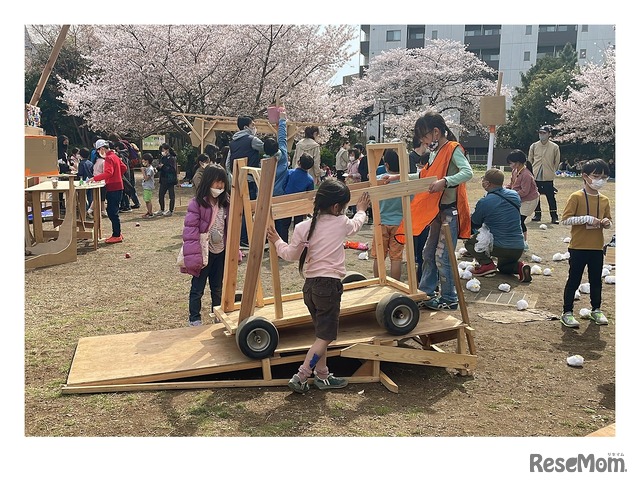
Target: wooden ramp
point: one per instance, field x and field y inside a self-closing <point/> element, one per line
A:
<point x="148" y="360"/>
<point x="608" y="431"/>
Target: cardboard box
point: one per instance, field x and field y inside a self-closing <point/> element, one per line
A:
<point x="40" y="155"/>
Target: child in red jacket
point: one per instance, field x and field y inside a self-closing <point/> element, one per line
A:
<point x="112" y="175"/>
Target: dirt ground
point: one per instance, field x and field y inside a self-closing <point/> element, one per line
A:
<point x="522" y="386"/>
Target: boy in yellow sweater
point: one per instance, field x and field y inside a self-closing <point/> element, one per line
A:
<point x="588" y="212"/>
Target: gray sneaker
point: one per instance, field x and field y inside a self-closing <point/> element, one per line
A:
<point x="569" y="321"/>
<point x="168" y="213"/>
<point x="598" y="317"/>
<point x="329" y="382"/>
<point x="195" y="323"/>
<point x="297" y="386"/>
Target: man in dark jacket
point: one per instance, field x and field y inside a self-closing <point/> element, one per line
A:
<point x="244" y="143"/>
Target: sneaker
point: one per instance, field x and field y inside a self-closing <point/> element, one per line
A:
<point x="114" y="239"/>
<point x="89" y="213"/>
<point x="296" y="386"/>
<point x="104" y="214"/>
<point x="598" y="317"/>
<point x="555" y="221"/>
<point x="160" y="212"/>
<point x="168" y="213"/>
<point x="329" y="382"/>
<point x="524" y="272"/>
<point x="537" y="217"/>
<point x="126" y="210"/>
<point x="437" y="304"/>
<point x="484" y="270"/>
<point x="135" y="206"/>
<point x="244" y="245"/>
<point x="569" y="321"/>
<point x="148" y="215"/>
<point x="195" y="323"/>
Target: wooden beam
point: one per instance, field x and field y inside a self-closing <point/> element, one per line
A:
<point x="410" y="356"/>
<point x="48" y="68"/>
<point x="254" y="260"/>
<point x="230" y="278"/>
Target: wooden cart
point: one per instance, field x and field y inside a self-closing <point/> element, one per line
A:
<point x="255" y="320"/>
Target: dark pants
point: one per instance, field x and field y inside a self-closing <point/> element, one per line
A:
<point x="213" y="273"/>
<point x="578" y="259"/>
<point x="418" y="247"/>
<point x="546" y="188"/>
<point x="508" y="258"/>
<point x="253" y="194"/>
<point x="164" y="187"/>
<point x="113" y="210"/>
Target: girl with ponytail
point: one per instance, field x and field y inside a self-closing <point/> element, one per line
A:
<point x="318" y="245"/>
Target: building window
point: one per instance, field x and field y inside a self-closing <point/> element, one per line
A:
<point x="527" y="55"/>
<point x="393" y="35"/>
<point x="527" y="29"/>
<point x="416" y="34"/>
<point x="583" y="53"/>
<point x="434" y="34"/>
<point x="585" y="28"/>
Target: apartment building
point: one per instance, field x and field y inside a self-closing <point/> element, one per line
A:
<point x="510" y="49"/>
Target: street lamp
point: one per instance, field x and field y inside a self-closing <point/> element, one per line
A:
<point x="383" y="102"/>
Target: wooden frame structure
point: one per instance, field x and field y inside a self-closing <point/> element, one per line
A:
<point x="204" y="128"/>
<point x="149" y="360"/>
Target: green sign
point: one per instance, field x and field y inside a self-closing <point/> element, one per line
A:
<point x="152" y="142"/>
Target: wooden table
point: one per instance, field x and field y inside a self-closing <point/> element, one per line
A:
<point x="86" y="229"/>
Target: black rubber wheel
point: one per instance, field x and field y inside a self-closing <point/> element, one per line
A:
<point x="397" y="314"/>
<point x="256" y="337"/>
<point x="353" y="277"/>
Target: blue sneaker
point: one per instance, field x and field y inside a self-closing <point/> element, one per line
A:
<point x="297" y="386"/>
<point x="329" y="382"/>
<point x="437" y="304"/>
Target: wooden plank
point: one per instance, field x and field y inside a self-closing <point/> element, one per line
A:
<point x="285" y="206"/>
<point x="256" y="244"/>
<point x="462" y="305"/>
<point x="388" y="383"/>
<point x="410" y="356"/>
<point x="230" y="278"/>
<point x="608" y="431"/>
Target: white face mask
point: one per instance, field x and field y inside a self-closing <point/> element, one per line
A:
<point x="216" y="192"/>
<point x="352" y="158"/>
<point x="596" y="184"/>
<point x="433" y="146"/>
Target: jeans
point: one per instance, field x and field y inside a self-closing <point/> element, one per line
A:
<point x="436" y="266"/>
<point x="113" y="210"/>
<point x="253" y="194"/>
<point x="212" y="272"/>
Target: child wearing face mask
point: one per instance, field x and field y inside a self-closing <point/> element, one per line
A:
<point x="202" y="163"/>
<point x="317" y="245"/>
<point x="206" y="213"/>
<point x="148" y="184"/>
<point x="588" y="212"/>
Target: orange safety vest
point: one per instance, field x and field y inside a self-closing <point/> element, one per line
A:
<point x="425" y="206"/>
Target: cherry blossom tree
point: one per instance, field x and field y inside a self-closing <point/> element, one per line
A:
<point x="587" y="112"/>
<point x="141" y="74"/>
<point x="443" y="76"/>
